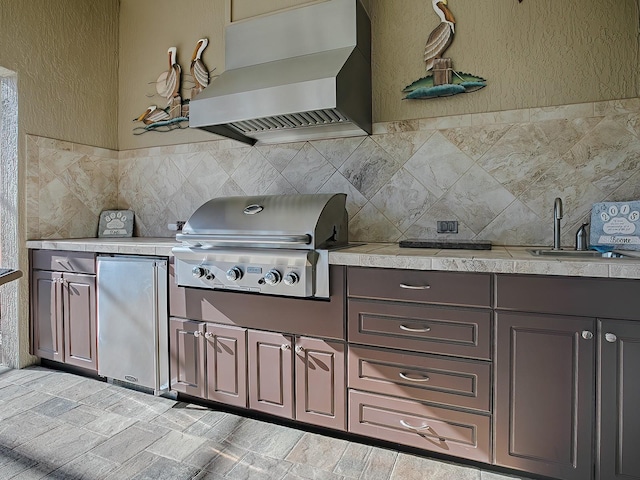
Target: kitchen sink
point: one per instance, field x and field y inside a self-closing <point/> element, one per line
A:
<point x="547" y="252"/>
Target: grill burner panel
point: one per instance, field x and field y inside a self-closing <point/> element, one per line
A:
<point x="275" y="245"/>
<point x="292" y="272"/>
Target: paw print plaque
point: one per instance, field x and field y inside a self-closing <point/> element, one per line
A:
<point x="116" y="223"/>
<point x="616" y="224"/>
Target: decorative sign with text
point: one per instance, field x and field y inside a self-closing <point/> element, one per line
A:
<point x="616" y="224"/>
<point x="116" y="223"/>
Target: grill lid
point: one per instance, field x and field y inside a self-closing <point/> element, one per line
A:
<point x="273" y="221"/>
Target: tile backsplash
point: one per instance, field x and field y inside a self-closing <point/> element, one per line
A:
<point x="497" y="174"/>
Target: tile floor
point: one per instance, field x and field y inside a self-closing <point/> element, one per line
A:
<point x="57" y="425"/>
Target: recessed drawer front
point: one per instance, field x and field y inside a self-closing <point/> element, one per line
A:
<point x="461" y="383"/>
<point x="462" y="434"/>
<point x="421" y="328"/>
<point x="465" y="289"/>
<point x="60" y="261"/>
<point x="585" y="297"/>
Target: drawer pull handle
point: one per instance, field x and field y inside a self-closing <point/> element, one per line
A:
<point x="418" y="378"/>
<point x="415" y="287"/>
<point x="411" y="427"/>
<point x="415" y="330"/>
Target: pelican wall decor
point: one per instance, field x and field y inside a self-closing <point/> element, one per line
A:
<point x="169" y="86"/>
<point x="442" y="80"/>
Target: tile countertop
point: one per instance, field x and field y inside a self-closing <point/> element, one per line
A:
<point x="390" y="255"/>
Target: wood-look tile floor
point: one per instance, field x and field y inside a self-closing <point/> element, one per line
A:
<point x="57" y="425"/>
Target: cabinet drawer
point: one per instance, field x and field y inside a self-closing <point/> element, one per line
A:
<point x="586" y="297"/>
<point x="61" y="261"/>
<point x="461" y="383"/>
<point x="418" y="425"/>
<point x="421" y="328"/>
<point x="466" y="289"/>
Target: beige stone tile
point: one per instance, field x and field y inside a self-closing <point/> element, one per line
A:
<point x="409" y="467"/>
<point x="318" y="451"/>
<point x="308" y="170"/>
<point x="475" y="141"/>
<point x="562" y="112"/>
<point x="176" y="445"/>
<point x="440" y="123"/>
<point x="369" y="167"/>
<point x="60" y="445"/>
<point x="403" y="200"/>
<point x="402" y="145"/>
<point x="280" y="155"/>
<point x="336" y="151"/>
<point x="606" y="157"/>
<point x="506" y="117"/>
<point x="477" y="198"/>
<point x="370" y="225"/>
<point x="438" y="165"/>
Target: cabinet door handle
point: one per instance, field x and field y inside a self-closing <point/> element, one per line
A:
<point x="197" y="334"/>
<point x="417" y="378"/>
<point x="587" y="335"/>
<point x="411" y="427"/>
<point x="299" y="349"/>
<point x="424" y="329"/>
<point x="285" y="346"/>
<point x="610" y="337"/>
<point x="208" y="335"/>
<point x="415" y="287"/>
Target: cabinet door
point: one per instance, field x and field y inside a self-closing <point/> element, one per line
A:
<point x="79" y="308"/>
<point x="187" y="348"/>
<point x="270" y="373"/>
<point x="320" y="382"/>
<point x="46" y="315"/>
<point x="226" y="364"/>
<point x="618" y="402"/>
<point x="545" y="386"/>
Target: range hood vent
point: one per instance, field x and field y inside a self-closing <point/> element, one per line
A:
<point x="301" y="74"/>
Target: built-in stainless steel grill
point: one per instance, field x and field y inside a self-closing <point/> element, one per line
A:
<point x="277" y="244"/>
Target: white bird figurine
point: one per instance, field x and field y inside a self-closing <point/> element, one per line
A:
<point x="441" y="36"/>
<point x="199" y="72"/>
<point x="168" y="83"/>
<point x="152" y="115"/>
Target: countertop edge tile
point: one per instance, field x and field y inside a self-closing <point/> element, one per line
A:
<point x="501" y="259"/>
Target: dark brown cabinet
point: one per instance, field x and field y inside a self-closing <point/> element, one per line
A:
<point x="545" y="385"/>
<point x="209" y="361"/>
<point x="419" y="359"/>
<point x="297" y="377"/>
<point x="63" y="308"/>
<point x="618" y="401"/>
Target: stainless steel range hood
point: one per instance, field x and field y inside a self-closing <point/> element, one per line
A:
<point x="300" y="74"/>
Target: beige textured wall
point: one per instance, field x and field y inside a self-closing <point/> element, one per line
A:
<point x="147" y="29"/>
<point x="535" y="53"/>
<point x="65" y="53"/>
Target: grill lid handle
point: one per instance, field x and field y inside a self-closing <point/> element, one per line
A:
<point x="246" y="239"/>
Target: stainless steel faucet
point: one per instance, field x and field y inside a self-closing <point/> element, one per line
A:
<point x="557" y="216"/>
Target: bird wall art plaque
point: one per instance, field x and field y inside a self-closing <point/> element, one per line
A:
<point x="169" y="86"/>
<point x="442" y="80"/>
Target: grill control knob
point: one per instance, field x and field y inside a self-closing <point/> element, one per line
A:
<point x="291" y="278"/>
<point x="198" y="272"/>
<point x="272" y="277"/>
<point x="234" y="274"/>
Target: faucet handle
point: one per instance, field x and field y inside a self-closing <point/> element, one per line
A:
<point x="581" y="238"/>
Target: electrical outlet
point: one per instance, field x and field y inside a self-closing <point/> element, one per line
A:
<point x="447" y="226"/>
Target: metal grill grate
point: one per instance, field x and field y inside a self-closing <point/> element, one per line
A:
<point x="293" y="120"/>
